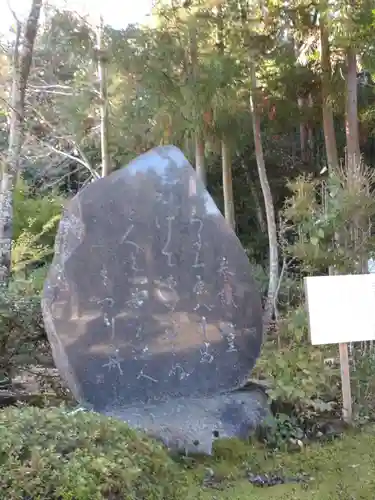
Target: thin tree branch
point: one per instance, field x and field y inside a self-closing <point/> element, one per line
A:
<point x="60" y="179"/>
<point x="76" y="159"/>
<point x="51" y="92"/>
<point x="85" y="162"/>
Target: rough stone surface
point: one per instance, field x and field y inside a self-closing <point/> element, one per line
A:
<point x="149" y="301"/>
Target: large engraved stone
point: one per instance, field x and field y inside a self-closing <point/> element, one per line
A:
<point x="150" y="296"/>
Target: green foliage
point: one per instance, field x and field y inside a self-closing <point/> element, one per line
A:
<point x="22" y="334"/>
<point x="55" y="455"/>
<point x="34" y="227"/>
<point x="298" y="375"/>
<point x="362" y="380"/>
<point x="30" y="285"/>
<point x="280" y="431"/>
<point x="293" y="327"/>
<point x="328" y="221"/>
<point x="260" y="276"/>
<point x="327" y="226"/>
<point x="296" y="372"/>
<point x="21" y="324"/>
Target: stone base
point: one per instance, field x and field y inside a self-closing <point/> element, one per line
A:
<point x="190" y="425"/>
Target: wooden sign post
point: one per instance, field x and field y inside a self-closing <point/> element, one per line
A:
<point x="347" y="412"/>
<point x="341" y="311"/>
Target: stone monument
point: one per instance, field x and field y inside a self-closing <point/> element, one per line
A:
<point x="150" y="306"/>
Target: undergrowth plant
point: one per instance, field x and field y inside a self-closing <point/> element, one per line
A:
<point x="326" y="224"/>
<point x="299" y="377"/>
<point x="34" y="229"/>
<point x="21" y="322"/>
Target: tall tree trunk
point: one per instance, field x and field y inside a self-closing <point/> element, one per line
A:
<point x="226" y="157"/>
<point x="310" y="130"/>
<point x="326" y="76"/>
<point x="200" y="166"/>
<point x="258" y="206"/>
<point x="22" y="59"/>
<point x="103" y="91"/>
<point x="325" y="61"/>
<point x="269" y="207"/>
<point x="189" y="147"/>
<point x="227" y="184"/>
<point x="302" y="129"/>
<point x="353" y="154"/>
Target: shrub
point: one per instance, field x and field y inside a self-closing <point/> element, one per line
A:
<point x="293" y="326"/>
<point x="22" y="333"/>
<point x="21" y="324"/>
<point x="327" y="221"/>
<point x="298" y="376"/>
<point x="50" y="454"/>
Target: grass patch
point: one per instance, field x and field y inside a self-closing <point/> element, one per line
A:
<point x="342" y="469"/>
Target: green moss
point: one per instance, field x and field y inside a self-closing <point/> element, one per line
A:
<point x="51" y="454"/>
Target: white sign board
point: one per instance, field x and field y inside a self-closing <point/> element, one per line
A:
<point x="341" y="308"/>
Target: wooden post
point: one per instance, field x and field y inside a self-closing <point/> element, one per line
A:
<point x="347" y="413"/>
